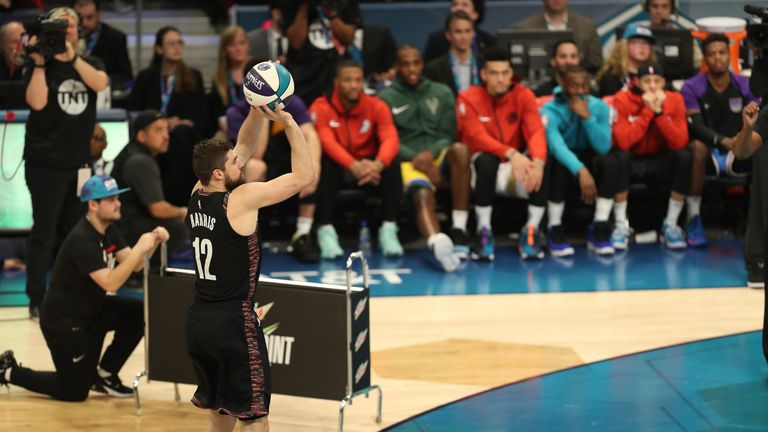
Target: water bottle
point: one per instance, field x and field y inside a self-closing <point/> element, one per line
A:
<point x="364" y="240"/>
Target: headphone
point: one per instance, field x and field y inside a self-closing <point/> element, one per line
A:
<point x="675" y="6"/>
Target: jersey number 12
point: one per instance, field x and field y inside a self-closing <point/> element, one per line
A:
<point x="203" y="249"/>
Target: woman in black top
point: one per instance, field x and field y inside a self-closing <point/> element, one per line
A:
<point x="176" y="90"/>
<point x="61" y="94"/>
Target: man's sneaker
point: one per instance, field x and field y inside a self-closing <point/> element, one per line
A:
<point x="7" y="361"/>
<point x="442" y="248"/>
<point x="557" y="244"/>
<point x="111" y="386"/>
<point x="756" y="275"/>
<point x="672" y="237"/>
<point x="460" y="243"/>
<point x="485" y="246"/>
<point x="328" y="241"/>
<point x="305" y="249"/>
<point x="620" y="235"/>
<point x="388" y="242"/>
<point x="599" y="238"/>
<point x="530" y="243"/>
<point x="694" y="232"/>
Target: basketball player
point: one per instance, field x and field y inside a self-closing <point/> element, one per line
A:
<point x="224" y="336"/>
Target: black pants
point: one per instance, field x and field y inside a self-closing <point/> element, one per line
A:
<point x="333" y="176"/>
<point x="757" y="221"/>
<point x="55" y="210"/>
<point x="486" y="167"/>
<point x="667" y="170"/>
<point x="604" y="169"/>
<point x="76" y="346"/>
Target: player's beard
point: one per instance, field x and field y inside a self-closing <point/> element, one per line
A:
<point x="232" y="183"/>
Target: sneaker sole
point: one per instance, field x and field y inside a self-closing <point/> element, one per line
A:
<point x="602" y="251"/>
<point x="756" y="285"/>
<point x="562" y="253"/>
<point x="620" y="246"/>
<point x="114" y="394"/>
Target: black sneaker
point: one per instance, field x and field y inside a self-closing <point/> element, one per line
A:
<point x="460" y="243"/>
<point x="756" y="275"/>
<point x="34" y="312"/>
<point x="305" y="249"/>
<point x="111" y="386"/>
<point x="7" y="361"/>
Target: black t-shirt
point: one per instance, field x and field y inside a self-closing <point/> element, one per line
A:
<point x="137" y="169"/>
<point x="227" y="264"/>
<point x="314" y="64"/>
<point x="72" y="292"/>
<point x="59" y="135"/>
<point x="722" y="111"/>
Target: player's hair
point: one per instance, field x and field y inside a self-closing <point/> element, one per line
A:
<point x="346" y="64"/>
<point x="403" y="48"/>
<point x="712" y="38"/>
<point x="494" y="54"/>
<point x="208" y="155"/>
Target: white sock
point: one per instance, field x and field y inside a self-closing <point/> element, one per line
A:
<point x="674" y="208"/>
<point x="390" y="224"/>
<point x="483" y="215"/>
<point x="459" y="218"/>
<point x="303" y="226"/>
<point x="694" y="206"/>
<point x="535" y="215"/>
<point x="555" y="213"/>
<point x="103" y="373"/>
<point x="431" y="240"/>
<point x="603" y="209"/>
<point x="620" y="211"/>
<point x="8" y="374"/>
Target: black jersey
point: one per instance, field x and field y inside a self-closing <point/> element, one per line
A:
<point x="227" y="264"/>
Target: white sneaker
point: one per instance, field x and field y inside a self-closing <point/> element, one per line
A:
<point x="442" y="248"/>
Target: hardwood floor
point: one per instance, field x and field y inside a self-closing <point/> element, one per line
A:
<point x="427" y="351"/>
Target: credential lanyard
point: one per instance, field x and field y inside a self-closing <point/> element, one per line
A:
<point x="474" y="77"/>
<point x="166" y="93"/>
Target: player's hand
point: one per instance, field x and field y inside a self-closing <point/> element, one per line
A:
<point x="278" y="115"/>
<point x="728" y="143"/>
<point x="749" y="115"/>
<point x="578" y="105"/>
<point x="371" y="172"/>
<point x="147" y="242"/>
<point x="649" y="99"/>
<point x="587" y="186"/>
<point x="162" y="234"/>
<point x="521" y="168"/>
<point x="661" y="96"/>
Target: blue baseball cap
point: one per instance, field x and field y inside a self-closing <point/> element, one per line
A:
<point x="100" y="186"/>
<point x="637" y="31"/>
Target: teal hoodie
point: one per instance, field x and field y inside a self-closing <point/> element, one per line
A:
<point x="425" y="116"/>
<point x="568" y="134"/>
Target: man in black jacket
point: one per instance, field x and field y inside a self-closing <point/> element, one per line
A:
<point x="438" y="45"/>
<point x="458" y="67"/>
<point x="105" y="42"/>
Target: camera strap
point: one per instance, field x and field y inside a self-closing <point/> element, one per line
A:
<point x="166" y="93"/>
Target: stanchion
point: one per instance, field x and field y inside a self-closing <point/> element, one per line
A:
<point x="351" y="394"/>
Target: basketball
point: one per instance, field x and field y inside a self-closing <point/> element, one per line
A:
<point x="268" y="84"/>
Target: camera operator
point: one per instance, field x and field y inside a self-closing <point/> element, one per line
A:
<point x="753" y="134"/>
<point x="61" y="93"/>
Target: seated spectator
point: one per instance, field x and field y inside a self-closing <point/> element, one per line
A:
<point x="378" y="49"/>
<point x="579" y="139"/>
<point x="437" y="42"/>
<point x="227" y="85"/>
<point x="425" y="116"/>
<point x="13" y="58"/>
<point x="269" y="42"/>
<point x="360" y="146"/>
<point x="273" y="159"/>
<point x="144" y="206"/>
<point x="176" y="90"/>
<point x="713" y="101"/>
<point x="651" y="134"/>
<point x="620" y="69"/>
<point x="557" y="17"/>
<point x="98" y="144"/>
<point x="320" y="34"/>
<point x="458" y="68"/>
<point x="105" y="42"/>
<point x="499" y="121"/>
<point x="565" y="53"/>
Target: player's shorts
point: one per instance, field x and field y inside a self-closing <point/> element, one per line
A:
<point x="506" y="184"/>
<point x="413" y="178"/>
<point x="229" y="354"/>
<point x="723" y="163"/>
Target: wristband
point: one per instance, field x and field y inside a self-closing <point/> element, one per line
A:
<point x="41" y="66"/>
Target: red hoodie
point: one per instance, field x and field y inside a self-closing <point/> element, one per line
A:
<point x="367" y="130"/>
<point x="641" y="132"/>
<point x="493" y="125"/>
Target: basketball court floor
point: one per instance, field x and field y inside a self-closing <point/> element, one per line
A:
<point x="646" y="340"/>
